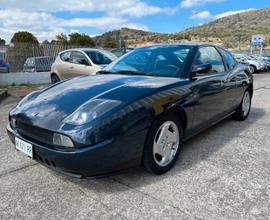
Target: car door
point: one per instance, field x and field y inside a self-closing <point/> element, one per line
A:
<point x="64" y="65"/>
<point x="235" y="79"/>
<point x="80" y="65"/>
<point x="209" y="88"/>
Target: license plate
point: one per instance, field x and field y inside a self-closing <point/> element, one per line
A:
<point x="24" y="147"/>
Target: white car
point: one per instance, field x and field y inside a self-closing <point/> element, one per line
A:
<point x="77" y="62"/>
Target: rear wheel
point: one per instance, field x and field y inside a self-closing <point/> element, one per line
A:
<point x="243" y="110"/>
<point x="163" y="144"/>
<point x="54" y="78"/>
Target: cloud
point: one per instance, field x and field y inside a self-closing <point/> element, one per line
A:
<point x="43" y="18"/>
<point x="201" y="15"/>
<point x="136" y="8"/>
<point x="228" y="13"/>
<point x="207" y="15"/>
<point x="194" y="3"/>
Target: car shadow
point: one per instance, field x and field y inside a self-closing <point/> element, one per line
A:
<point x="194" y="151"/>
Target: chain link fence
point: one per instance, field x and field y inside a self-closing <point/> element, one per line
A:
<point x="17" y="54"/>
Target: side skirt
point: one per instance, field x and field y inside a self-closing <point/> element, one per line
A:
<point x="207" y="126"/>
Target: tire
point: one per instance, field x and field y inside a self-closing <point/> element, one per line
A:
<point x="153" y="160"/>
<point x="242" y="112"/>
<point x="54" y="78"/>
<point x="252" y="69"/>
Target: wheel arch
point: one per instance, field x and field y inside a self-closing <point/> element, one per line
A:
<point x="179" y="112"/>
<point x="255" y="67"/>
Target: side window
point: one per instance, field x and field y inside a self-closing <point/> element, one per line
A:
<point x="209" y="55"/>
<point x="65" y="56"/>
<point x="229" y="58"/>
<point x="78" y="58"/>
<point x="99" y="58"/>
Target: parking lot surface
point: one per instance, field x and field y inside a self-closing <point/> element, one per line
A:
<point x="223" y="173"/>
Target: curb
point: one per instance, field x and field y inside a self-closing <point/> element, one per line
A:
<point x="3" y="94"/>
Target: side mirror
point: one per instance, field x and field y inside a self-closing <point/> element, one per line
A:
<point x="201" y="69"/>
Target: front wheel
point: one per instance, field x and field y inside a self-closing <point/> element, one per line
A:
<point x="242" y="112"/>
<point x="163" y="144"/>
<point x="252" y="69"/>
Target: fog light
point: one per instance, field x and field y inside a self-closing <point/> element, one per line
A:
<point x="62" y="140"/>
<point x="13" y="122"/>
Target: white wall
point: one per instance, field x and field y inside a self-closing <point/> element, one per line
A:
<point x="24" y="78"/>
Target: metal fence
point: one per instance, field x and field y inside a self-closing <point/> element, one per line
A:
<point x="18" y="53"/>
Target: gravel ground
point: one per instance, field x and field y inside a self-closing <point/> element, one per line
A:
<point x="223" y="173"/>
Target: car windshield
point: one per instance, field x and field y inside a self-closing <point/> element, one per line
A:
<point x="165" y="61"/>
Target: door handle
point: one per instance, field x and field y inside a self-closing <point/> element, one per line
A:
<point x="72" y="67"/>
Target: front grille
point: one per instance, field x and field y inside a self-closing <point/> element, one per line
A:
<point x="35" y="134"/>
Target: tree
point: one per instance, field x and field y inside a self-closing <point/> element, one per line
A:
<point x="109" y="43"/>
<point x="62" y="39"/>
<point x="46" y="42"/>
<point x="2" y="42"/>
<point x="84" y="40"/>
<point x="24" y="37"/>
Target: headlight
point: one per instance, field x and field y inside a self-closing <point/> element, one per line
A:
<point x="91" y="110"/>
<point x="62" y="140"/>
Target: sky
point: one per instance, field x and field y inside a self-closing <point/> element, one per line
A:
<point x="47" y="18"/>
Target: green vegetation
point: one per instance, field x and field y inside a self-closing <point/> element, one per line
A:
<point x="74" y="39"/>
<point x="2" y="42"/>
<point x="24" y="37"/>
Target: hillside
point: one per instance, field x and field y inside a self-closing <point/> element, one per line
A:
<point x="124" y="35"/>
<point x="243" y="24"/>
<point x="231" y="31"/>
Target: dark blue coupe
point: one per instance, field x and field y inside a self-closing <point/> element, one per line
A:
<point x="137" y="111"/>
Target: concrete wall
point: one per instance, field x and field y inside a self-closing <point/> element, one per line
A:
<point x="24" y="78"/>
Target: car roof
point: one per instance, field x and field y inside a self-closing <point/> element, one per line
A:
<point x="82" y="49"/>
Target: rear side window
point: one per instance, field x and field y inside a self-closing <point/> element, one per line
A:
<point x="65" y="56"/>
<point x="209" y="55"/>
<point x="229" y="58"/>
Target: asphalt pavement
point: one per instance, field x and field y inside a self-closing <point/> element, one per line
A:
<point x="223" y="173"/>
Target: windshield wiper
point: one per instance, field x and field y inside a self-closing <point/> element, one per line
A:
<point x="130" y="72"/>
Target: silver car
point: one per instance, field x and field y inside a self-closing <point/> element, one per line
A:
<point x="77" y="62"/>
<point x="254" y="65"/>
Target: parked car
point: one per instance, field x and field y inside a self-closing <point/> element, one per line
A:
<point x="254" y="65"/>
<point x="138" y="110"/>
<point x="78" y="62"/>
<point x="4" y="66"/>
<point x="38" y="64"/>
<point x="121" y="51"/>
<point x="262" y="59"/>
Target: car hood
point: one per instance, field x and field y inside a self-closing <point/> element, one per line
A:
<point x="47" y="108"/>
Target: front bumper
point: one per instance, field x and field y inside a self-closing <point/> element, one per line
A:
<point x="97" y="160"/>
